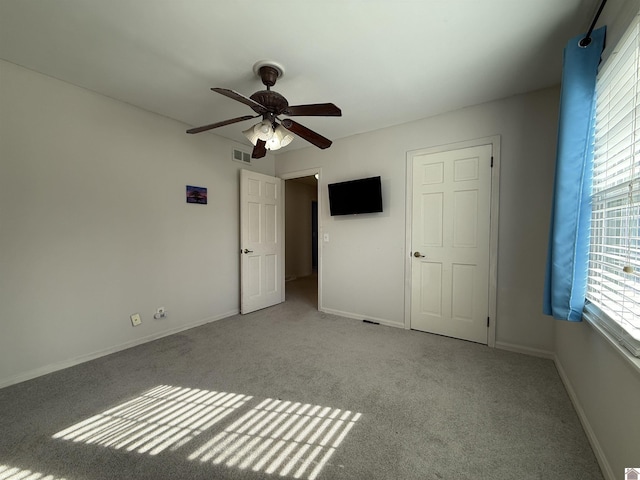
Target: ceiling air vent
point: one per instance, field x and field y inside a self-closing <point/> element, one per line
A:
<point x="241" y="156"/>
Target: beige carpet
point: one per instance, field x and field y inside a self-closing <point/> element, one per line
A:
<point x="289" y="392"/>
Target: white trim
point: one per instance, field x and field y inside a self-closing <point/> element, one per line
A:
<point x="633" y="361"/>
<point x="309" y="172"/>
<point x="494" y="141"/>
<point x="360" y="316"/>
<point x="493" y="242"/>
<point x="607" y="471"/>
<point x="54" y="367"/>
<point x="534" y="352"/>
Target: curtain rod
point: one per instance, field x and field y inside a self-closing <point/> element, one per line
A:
<point x="587" y="39"/>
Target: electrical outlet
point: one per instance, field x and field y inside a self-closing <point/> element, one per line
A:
<point x="160" y="313"/>
<point x="135" y="319"/>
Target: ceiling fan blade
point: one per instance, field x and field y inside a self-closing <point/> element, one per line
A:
<point x="204" y="128"/>
<point x="316" y="109"/>
<point x="241" y="98"/>
<point x="260" y="150"/>
<point x="309" y="135"/>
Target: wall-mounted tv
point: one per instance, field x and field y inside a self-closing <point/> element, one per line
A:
<point x="355" y="196"/>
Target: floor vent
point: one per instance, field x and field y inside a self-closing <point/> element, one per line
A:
<point x="241" y="156"/>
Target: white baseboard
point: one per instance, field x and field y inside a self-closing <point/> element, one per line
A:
<point x="54" y="367"/>
<point x="535" y="352"/>
<point x="607" y="471"/>
<point x="359" y="316"/>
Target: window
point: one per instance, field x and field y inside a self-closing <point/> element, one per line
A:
<point x="613" y="287"/>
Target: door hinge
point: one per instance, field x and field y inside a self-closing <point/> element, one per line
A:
<point x="487" y="322"/>
<point x="491" y="161"/>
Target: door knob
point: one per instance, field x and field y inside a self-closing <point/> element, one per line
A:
<point x="248" y="251"/>
<point x="418" y="255"/>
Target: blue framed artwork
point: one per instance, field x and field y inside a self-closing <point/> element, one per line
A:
<point x="196" y="194"/>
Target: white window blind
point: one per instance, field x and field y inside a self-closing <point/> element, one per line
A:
<point x="613" y="287"/>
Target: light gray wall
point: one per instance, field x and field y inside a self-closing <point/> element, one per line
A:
<point x="94" y="225"/>
<point x="298" y="198"/>
<point x="604" y="386"/>
<point x="605" y="390"/>
<point x="363" y="262"/>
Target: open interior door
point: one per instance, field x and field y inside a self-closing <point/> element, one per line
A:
<point x="261" y="241"/>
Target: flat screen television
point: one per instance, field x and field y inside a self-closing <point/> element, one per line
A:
<point x="355" y="196"/>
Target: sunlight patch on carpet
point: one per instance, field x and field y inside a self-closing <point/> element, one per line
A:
<point x="163" y="417"/>
<point x="14" y="473"/>
<point x="275" y="437"/>
<point x="280" y="437"/>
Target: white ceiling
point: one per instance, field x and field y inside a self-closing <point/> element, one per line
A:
<point x="383" y="62"/>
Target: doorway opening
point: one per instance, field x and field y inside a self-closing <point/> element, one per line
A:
<point x="302" y="253"/>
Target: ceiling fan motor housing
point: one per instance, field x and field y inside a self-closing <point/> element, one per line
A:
<point x="272" y="101"/>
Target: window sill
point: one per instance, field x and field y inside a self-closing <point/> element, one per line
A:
<point x="626" y="354"/>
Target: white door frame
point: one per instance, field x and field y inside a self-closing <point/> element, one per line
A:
<point x="309" y="173"/>
<point x="494" y="141"/>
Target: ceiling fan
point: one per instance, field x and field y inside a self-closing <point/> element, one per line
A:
<point x="269" y="134"/>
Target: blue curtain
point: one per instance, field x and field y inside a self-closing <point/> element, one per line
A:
<point x="568" y="254"/>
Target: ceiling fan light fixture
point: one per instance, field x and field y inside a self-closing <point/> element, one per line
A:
<point x="264" y="130"/>
<point x="273" y="143"/>
<point x="260" y="131"/>
<point x="251" y="135"/>
<point x="285" y="135"/>
<point x="281" y="138"/>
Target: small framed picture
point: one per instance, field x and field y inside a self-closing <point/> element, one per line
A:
<point x="196" y="194"/>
